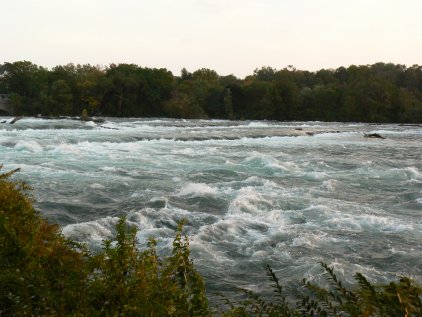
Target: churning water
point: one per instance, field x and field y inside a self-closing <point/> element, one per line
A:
<point x="287" y="194"/>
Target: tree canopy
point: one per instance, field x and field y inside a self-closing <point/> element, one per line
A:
<point x="368" y="93"/>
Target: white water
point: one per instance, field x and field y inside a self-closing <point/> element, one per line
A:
<point x="253" y="192"/>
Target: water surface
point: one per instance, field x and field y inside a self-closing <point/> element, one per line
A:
<point x="287" y="194"/>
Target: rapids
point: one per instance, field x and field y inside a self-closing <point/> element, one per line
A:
<point x="288" y="194"/>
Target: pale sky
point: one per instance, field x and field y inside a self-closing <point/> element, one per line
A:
<point x="229" y="36"/>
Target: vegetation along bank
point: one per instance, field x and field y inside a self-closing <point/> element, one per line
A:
<point x="368" y="93"/>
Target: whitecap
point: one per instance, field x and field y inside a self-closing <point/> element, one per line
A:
<point x="208" y="254"/>
<point x="28" y="146"/>
<point x="64" y="148"/>
<point x="252" y="180"/>
<point x="248" y="200"/>
<point x="97" y="186"/>
<point x="186" y="151"/>
<point x="263" y="160"/>
<point x="92" y="231"/>
<point x="259" y="124"/>
<point x="90" y="124"/>
<point x="397" y="132"/>
<point x="108" y="169"/>
<point x="410" y="172"/>
<point x="367" y="222"/>
<point x="329" y="185"/>
<point x="260" y="254"/>
<point x="298" y="242"/>
<point x="197" y="189"/>
<point x="413" y="173"/>
<point x="335" y="135"/>
<point x="315" y="175"/>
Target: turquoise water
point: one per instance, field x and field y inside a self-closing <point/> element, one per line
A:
<point x="253" y="192"/>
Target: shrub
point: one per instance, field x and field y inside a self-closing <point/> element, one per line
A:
<point x="42" y="273"/>
<point x="402" y="298"/>
<point x="128" y="282"/>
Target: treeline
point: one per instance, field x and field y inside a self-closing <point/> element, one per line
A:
<point x="369" y="93"/>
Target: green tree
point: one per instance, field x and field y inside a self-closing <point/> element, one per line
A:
<point x="205" y="74"/>
<point x="382" y="92"/>
<point x="61" y="97"/>
<point x="184" y="106"/>
<point x="254" y="103"/>
<point x="24" y="80"/>
<point x="228" y="103"/>
<point x="264" y="73"/>
<point x="185" y="75"/>
<point x="288" y="92"/>
<point x="120" y="98"/>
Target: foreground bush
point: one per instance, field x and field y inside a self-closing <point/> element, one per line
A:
<point x="402" y="298"/>
<point x="40" y="271"/>
<point x="44" y="274"/>
<point x="128" y="282"/>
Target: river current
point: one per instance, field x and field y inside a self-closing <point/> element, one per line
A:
<point x="287" y="194"/>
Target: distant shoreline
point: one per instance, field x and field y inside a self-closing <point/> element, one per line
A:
<point x="378" y="93"/>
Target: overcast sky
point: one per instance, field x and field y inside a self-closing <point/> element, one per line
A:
<point x="229" y="36"/>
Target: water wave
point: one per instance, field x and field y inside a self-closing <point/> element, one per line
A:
<point x="287" y="193"/>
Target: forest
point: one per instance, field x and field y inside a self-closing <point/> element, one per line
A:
<point x="382" y="92"/>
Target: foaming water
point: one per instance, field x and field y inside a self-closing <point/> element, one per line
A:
<point x="289" y="194"/>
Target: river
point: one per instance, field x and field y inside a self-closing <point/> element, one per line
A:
<point x="287" y="194"/>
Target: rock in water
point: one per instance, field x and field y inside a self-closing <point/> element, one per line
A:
<point x="15" y="119"/>
<point x="373" y="135"/>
